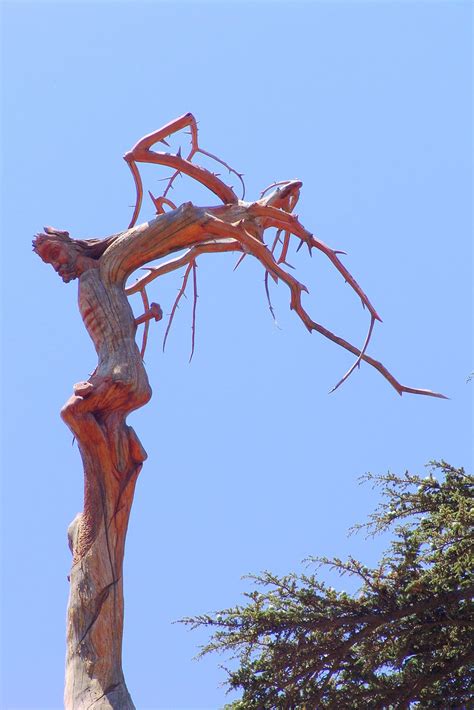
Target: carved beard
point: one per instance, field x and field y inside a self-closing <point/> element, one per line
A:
<point x="67" y="272"/>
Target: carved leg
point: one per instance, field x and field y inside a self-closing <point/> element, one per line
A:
<point x="112" y="457"/>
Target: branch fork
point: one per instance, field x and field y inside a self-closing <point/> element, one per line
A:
<point x="246" y="233"/>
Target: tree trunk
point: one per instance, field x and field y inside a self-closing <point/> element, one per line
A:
<point x="94" y="677"/>
<point x="112" y="457"/>
<point x="111" y="452"/>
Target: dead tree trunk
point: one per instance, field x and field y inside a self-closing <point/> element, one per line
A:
<point x="112" y="458"/>
<point x="111" y="453"/>
<point x="96" y="413"/>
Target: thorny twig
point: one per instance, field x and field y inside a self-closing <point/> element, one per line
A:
<point x="146" y="306"/>
<point x="193" y="326"/>
<point x="177" y="300"/>
<point x="267" y="291"/>
<point x="221" y="234"/>
<point x="142" y="153"/>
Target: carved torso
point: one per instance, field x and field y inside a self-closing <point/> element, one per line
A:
<point x="110" y="322"/>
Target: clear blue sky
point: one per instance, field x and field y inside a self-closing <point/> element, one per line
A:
<point x="252" y="464"/>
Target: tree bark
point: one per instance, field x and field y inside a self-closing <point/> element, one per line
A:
<point x="111" y="452"/>
<point x="112" y="458"/>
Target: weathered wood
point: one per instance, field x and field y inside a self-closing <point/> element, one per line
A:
<point x="97" y="411"/>
<point x="111" y="452"/>
<point x="112" y="458"/>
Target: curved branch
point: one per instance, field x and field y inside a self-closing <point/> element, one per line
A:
<point x="226" y="165"/>
<point x="224" y="192"/>
<point x="217" y="245"/>
<point x="288" y="222"/>
<point x="177" y="300"/>
<point x="187" y="120"/>
<point x="357" y="362"/>
<point x="137" y="179"/>
<point x="146" y="307"/>
<point x="195" y="298"/>
<point x="263" y="254"/>
<point x="142" y="153"/>
<point x="160" y="201"/>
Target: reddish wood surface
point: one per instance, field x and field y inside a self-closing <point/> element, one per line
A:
<point x="96" y="412"/>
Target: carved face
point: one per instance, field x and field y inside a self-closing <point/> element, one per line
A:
<point x="61" y="256"/>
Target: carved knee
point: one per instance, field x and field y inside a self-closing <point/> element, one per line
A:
<point x="69" y="411"/>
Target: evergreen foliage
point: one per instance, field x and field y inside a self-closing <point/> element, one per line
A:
<point x="403" y="640"/>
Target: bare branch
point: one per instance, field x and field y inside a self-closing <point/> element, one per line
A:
<point x="194" y="309"/>
<point x="208" y="247"/>
<point x="142" y="153"/>
<point x="267" y="291"/>
<point x="357" y="362"/>
<point x="264" y="255"/>
<point x="146" y="327"/>
<point x="279" y="218"/>
<point x="177" y="300"/>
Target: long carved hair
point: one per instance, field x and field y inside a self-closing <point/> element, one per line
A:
<point x="92" y="248"/>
